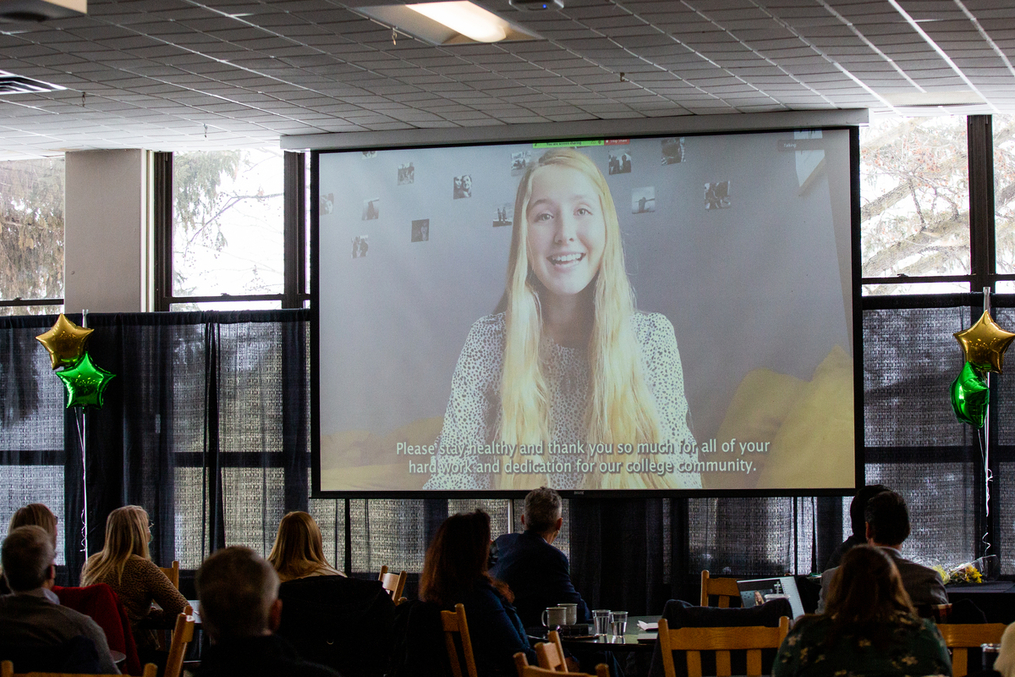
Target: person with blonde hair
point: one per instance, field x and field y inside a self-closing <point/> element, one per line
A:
<point x="33" y="514"/>
<point x="298" y="551"/>
<point x="869" y="627"/>
<point x="567" y="361"/>
<point x="37" y="514"/>
<point x="126" y="566"/>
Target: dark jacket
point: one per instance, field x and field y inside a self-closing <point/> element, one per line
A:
<point x="538" y="575"/>
<point x="269" y="656"/>
<point x="496" y="632"/>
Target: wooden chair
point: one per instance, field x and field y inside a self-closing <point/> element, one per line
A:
<point x="550" y="654"/>
<point x="183" y="634"/>
<point x="962" y="637"/>
<point x="7" y="670"/>
<point x="172" y="572"/>
<point x="526" y="670"/>
<point x="393" y="583"/>
<point x="455" y="624"/>
<point x="724" y="588"/>
<point x="721" y="640"/>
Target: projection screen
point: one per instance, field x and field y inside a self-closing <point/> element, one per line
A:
<point x="484" y="323"/>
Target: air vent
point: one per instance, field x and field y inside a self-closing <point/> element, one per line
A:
<point x="16" y="84"/>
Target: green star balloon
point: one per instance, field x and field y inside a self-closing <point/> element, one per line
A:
<point x="970" y="396"/>
<point x="85" y="382"/>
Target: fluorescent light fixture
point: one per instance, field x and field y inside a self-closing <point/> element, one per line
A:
<point x="947" y="98"/>
<point x="40" y="10"/>
<point x="447" y="23"/>
<point x="466" y="18"/>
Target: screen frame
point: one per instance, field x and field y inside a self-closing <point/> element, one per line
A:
<point x="726" y="124"/>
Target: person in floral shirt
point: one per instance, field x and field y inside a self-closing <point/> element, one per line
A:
<point x="869" y="628"/>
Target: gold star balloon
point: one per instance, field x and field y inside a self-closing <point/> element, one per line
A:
<point x="984" y="343"/>
<point x="65" y="342"/>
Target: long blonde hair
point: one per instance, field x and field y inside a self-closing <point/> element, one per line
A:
<point x="126" y="536"/>
<point x="621" y="408"/>
<point x="37" y="514"/>
<point x="299" y="548"/>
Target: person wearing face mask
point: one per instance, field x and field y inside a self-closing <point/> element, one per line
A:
<point x="126" y="566"/>
<point x="566" y="360"/>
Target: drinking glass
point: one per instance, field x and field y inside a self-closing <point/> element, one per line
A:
<point x="619" y="624"/>
<point x="602" y="619"/>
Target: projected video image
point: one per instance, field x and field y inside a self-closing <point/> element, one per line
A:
<point x="575" y="315"/>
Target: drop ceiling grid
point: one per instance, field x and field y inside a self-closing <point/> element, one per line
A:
<point x="156" y="67"/>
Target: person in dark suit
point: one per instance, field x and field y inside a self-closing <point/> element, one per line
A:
<point x="537" y="572"/>
<point x="887" y="526"/>
<point x="857" y="522"/>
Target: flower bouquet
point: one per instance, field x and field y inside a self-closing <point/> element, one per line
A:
<point x="977" y="571"/>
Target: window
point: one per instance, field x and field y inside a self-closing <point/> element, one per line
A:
<point x="31" y="236"/>
<point x="914" y="196"/>
<point x="228" y="229"/>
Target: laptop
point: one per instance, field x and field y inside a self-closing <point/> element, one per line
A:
<point x="760" y="590"/>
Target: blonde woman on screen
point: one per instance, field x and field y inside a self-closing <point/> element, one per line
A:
<point x="568" y="359"/>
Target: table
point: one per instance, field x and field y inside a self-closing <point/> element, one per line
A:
<point x="996" y="599"/>
<point x="633" y="640"/>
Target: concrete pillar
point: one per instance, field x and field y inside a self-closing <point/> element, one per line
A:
<point x="106" y="219"/>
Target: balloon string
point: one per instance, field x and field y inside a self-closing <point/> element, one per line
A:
<point x="988" y="476"/>
<point x="79" y="419"/>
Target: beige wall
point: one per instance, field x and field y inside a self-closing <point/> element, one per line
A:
<point x="106" y="215"/>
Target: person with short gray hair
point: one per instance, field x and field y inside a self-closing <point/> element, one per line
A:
<point x="542" y="511"/>
<point x="31" y="616"/>
<point x="240" y="609"/>
<point x="537" y="573"/>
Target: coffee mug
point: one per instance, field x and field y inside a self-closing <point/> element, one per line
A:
<point x="572" y="613"/>
<point x="554" y="617"/>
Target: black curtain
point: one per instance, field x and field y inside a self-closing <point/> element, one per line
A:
<point x="206" y="425"/>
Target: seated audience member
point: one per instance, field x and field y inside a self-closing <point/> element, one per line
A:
<point x="1005" y="663"/>
<point x="455" y="572"/>
<point x="33" y="513"/>
<point x="887" y="526"/>
<point x="298" y="551"/>
<point x="125" y="565"/>
<point x="31" y="617"/>
<point x="240" y="610"/>
<point x="857" y="522"/>
<point x="537" y="573"/>
<point x="869" y="627"/>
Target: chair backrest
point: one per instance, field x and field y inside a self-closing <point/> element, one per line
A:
<point x="724" y="588"/>
<point x="183" y="635"/>
<point x="393" y="583"/>
<point x="172" y="572"/>
<point x="102" y="605"/>
<point x="455" y="625"/>
<point x="343" y="623"/>
<point x="962" y="637"/>
<point x="550" y="654"/>
<point x="721" y="640"/>
<point x="526" y="670"/>
<point x="7" y="670"/>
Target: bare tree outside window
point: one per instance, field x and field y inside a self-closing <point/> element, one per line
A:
<point x="914" y="195"/>
<point x="31" y="233"/>
<point x="227" y="224"/>
<point x="1004" y="197"/>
